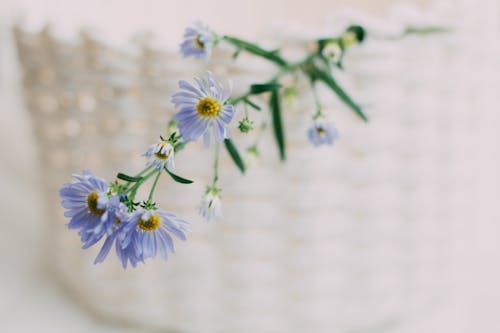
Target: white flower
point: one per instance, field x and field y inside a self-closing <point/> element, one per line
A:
<point x="210" y="205"/>
<point x="160" y="154"/>
<point x="332" y="51"/>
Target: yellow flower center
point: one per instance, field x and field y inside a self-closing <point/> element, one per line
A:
<point x="199" y="43"/>
<point x="160" y="155"/>
<point x="150" y="224"/>
<point x="208" y="107"/>
<point x="320" y="130"/>
<point x="92" y="203"/>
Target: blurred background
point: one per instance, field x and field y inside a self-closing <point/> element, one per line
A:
<point x="420" y="255"/>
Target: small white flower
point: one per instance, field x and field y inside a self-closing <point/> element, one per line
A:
<point x="332" y="51"/>
<point x="210" y="205"/>
<point x="160" y="154"/>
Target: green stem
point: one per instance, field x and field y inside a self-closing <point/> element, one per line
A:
<point x="319" y="111"/>
<point x="151" y="192"/>
<point x="262" y="127"/>
<point x="216" y="165"/>
<point x="144" y="171"/>
<point x="133" y="189"/>
<point x="246" y="110"/>
<point x="286" y="70"/>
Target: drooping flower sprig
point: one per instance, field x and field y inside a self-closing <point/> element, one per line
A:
<point x="138" y="229"/>
<point x="318" y="66"/>
<point x="112" y="213"/>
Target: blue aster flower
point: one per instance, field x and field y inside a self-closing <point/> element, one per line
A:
<point x="160" y="154"/>
<point x="321" y="134"/>
<point x="81" y="201"/>
<point x="144" y="234"/>
<point x="201" y="107"/>
<point x="198" y="42"/>
<point x="111" y="218"/>
<point x="125" y="254"/>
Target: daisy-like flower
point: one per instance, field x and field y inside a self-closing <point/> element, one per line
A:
<point x="125" y="254"/>
<point x="198" y="42"/>
<point x="81" y="201"/>
<point x="144" y="234"/>
<point x="321" y="134"/>
<point x="148" y="233"/>
<point x="332" y="51"/>
<point x="160" y="154"/>
<point x="201" y="107"/>
<point x="114" y="212"/>
<point x="210" y="205"/>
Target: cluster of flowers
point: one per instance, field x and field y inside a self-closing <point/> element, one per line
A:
<point x="139" y="229"/>
<point x="97" y="212"/>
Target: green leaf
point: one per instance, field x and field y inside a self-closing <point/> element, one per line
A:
<point x="233" y="152"/>
<point x="180" y="146"/>
<point x="425" y="30"/>
<point x="128" y="178"/>
<point x="274" y="104"/>
<point x="178" y="179"/>
<point x="252" y="104"/>
<point x="265" y="87"/>
<point x="256" y="50"/>
<point x="325" y="77"/>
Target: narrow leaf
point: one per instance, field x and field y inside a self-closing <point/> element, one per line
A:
<point x="178" y="179"/>
<point x="252" y="104"/>
<point x="256" y="50"/>
<point x="128" y="178"/>
<point x="265" y="87"/>
<point x="425" y="30"/>
<point x="233" y="152"/>
<point x="274" y="103"/>
<point x="327" y="78"/>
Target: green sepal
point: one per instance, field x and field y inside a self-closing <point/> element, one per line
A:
<point x="245" y="125"/>
<point x="272" y="56"/>
<point x="233" y="152"/>
<point x="264" y="87"/>
<point x="322" y="43"/>
<point x="128" y="178"/>
<point x="274" y="104"/>
<point x="359" y="31"/>
<point x="178" y="179"/>
<point x="148" y="205"/>
<point x="325" y="77"/>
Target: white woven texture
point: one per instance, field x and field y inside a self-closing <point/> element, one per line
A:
<point x="345" y="239"/>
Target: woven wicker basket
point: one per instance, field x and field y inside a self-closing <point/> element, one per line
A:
<point x="342" y="239"/>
